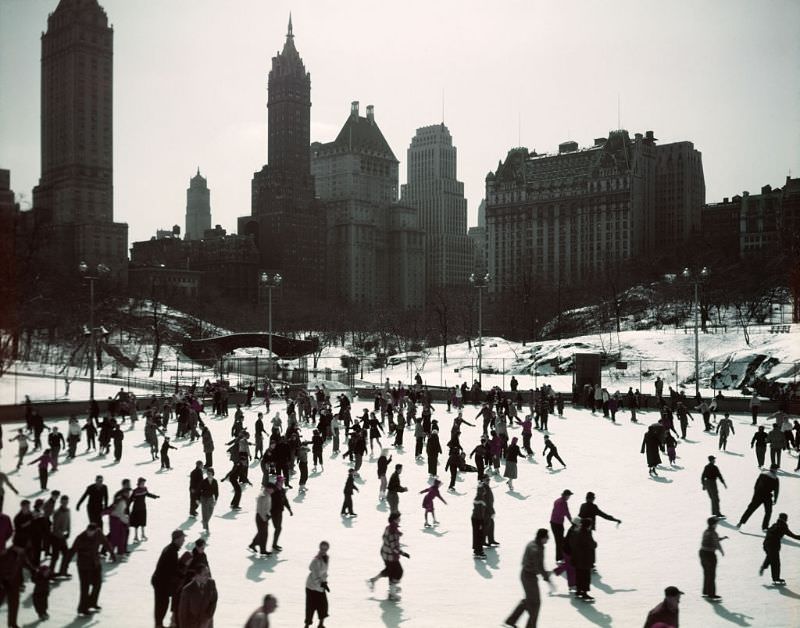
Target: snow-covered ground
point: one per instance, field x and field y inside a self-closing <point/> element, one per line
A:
<point x="14" y="387"/>
<point x="656" y="545"/>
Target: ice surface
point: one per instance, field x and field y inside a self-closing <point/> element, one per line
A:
<point x="655" y="546"/>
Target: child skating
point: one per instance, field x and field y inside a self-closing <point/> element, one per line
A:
<point x="431" y="493"/>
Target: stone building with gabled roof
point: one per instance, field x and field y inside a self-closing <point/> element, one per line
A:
<point x="375" y="246"/>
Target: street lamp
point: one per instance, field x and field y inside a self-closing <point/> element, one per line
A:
<point x="480" y="283"/>
<point x="270" y="282"/>
<point x="91" y="273"/>
<point x="696" y="278"/>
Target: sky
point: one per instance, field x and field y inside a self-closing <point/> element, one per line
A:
<point x="190" y="86"/>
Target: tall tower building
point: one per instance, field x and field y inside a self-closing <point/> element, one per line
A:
<point x="198" y="207"/>
<point x="432" y="188"/>
<point x="76" y="185"/>
<point x="286" y="220"/>
<point x="375" y="247"/>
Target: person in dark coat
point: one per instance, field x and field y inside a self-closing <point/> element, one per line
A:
<point x="433" y="448"/>
<point x="198" y="601"/>
<point x="167" y="576"/>
<point x="709" y="546"/>
<point x="772" y="547"/>
<point x="349" y="487"/>
<point x="665" y="613"/>
<point x="766" y="484"/>
<point x="195" y="480"/>
<point x="708" y="480"/>
<point x="550" y="445"/>
<point x="208" y="447"/>
<point x="759" y="441"/>
<point x="652" y="444"/>
<point x="582" y="546"/>
<point x="90" y="573"/>
<point x="394" y="489"/>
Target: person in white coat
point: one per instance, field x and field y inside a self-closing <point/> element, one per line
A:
<point x="317" y="587"/>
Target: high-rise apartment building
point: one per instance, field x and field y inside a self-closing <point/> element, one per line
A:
<point x="432" y="187"/>
<point x="75" y="189"/>
<point x="286" y="221"/>
<point x="375" y="246"/>
<point x="198" y="207"/>
<point x="571" y="216"/>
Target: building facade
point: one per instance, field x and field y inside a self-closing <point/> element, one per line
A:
<point x="565" y="217"/>
<point x="680" y="193"/>
<point x="375" y="246"/>
<point x="198" y="207"/>
<point x="478" y="236"/>
<point x="432" y="188"/>
<point x="286" y="221"/>
<point x="75" y="191"/>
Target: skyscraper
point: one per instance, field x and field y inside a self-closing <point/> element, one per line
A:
<point x="198" y="207"/>
<point x="75" y="189"/>
<point x="286" y="221"/>
<point x="432" y="188"/>
<point x="375" y="246"/>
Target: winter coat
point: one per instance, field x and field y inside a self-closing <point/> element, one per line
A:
<point x="582" y="545"/>
<point x="197" y="605"/>
<point x="318" y="574"/>
<point x="651" y="443"/>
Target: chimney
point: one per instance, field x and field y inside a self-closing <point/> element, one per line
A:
<point x="599" y="141"/>
<point x="649" y="136"/>
<point x="371" y="114"/>
<point x="354" y="109"/>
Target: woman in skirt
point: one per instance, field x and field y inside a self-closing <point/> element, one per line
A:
<point x="138" y="518"/>
<point x="512" y="453"/>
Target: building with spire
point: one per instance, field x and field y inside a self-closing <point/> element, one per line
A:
<point x="433" y="189"/>
<point x="198" y="207"/>
<point x="375" y="245"/>
<point x="75" y="195"/>
<point x="286" y="221"/>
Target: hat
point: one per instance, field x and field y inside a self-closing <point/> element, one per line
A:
<point x="590" y="495"/>
<point x="566" y="492"/>
<point x="712" y="458"/>
<point x="672" y="592"/>
<point x="178" y="534"/>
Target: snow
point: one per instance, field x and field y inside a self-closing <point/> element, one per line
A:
<point x="655" y="546"/>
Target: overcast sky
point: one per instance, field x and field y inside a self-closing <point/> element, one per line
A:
<point x="190" y="86"/>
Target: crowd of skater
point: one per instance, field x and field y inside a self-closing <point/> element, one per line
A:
<point x="285" y="445"/>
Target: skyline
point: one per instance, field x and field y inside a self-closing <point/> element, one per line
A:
<point x="744" y="115"/>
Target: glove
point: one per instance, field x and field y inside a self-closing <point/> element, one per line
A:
<point x="325" y="587"/>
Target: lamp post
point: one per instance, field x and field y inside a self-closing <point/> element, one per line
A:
<point x="91" y="274"/>
<point x="696" y="278"/>
<point x="480" y="282"/>
<point x="270" y="282"/>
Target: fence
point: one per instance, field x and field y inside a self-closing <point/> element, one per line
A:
<point x="768" y="376"/>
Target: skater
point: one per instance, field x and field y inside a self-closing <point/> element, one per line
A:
<point x="90" y="573"/>
<point x="166" y="577"/>
<point x="317" y="587"/>
<point x="209" y="493"/>
<point x="765" y="492"/>
<point x="777" y="443"/>
<point x="383" y="465"/>
<point x="708" y="480"/>
<point x="549" y="444"/>
<point x="671" y="444"/>
<point x="391" y="553"/>
<point x="41" y="590"/>
<point x="725" y="427"/>
<point x="394" y="490"/>
<point x="349" y="487"/>
<point x="512" y="455"/>
<point x="263" y="510"/>
<point x="709" y="546"/>
<point x="198" y="600"/>
<point x="97" y="495"/>
<point x="665" y="614"/>
<point x="208" y="447"/>
<point x="532" y="566"/>
<point x="58" y="537"/>
<point x="45" y="461"/>
<point x="195" y="480"/>
<point x="5" y="482"/>
<point x="138" y="517"/>
<point x="582" y="552"/>
<point x="431" y="493"/>
<point x="590" y="511"/>
<point x="772" y="547"/>
<point x="487" y="496"/>
<point x="260" y="617"/>
<point x="755" y="406"/>
<point x="477" y="521"/>
<point x="165" y="447"/>
<point x="559" y="513"/>
<point x="759" y="440"/>
<point x="433" y="448"/>
<point x="22" y="446"/>
<point x="651" y="444"/>
<point x="117" y="436"/>
<point x="279" y="503"/>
